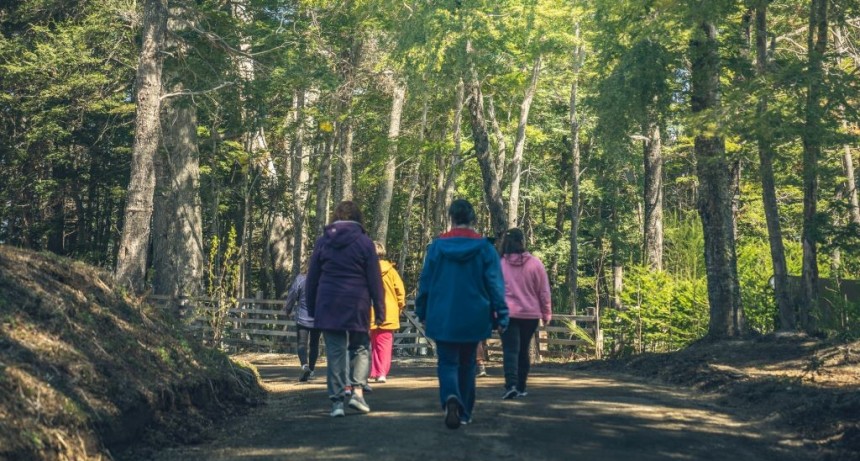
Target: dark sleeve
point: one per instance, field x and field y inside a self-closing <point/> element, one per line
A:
<point x="495" y="284"/>
<point x="423" y="286"/>
<point x="313" y="280"/>
<point x="374" y="282"/>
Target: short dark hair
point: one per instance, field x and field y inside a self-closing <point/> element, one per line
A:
<point x="347" y="210"/>
<point x="462" y="212"/>
<point x="514" y="242"/>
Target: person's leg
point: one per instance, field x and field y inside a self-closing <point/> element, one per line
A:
<point x="302" y="344"/>
<point x="527" y="331"/>
<point x="481" y="366"/>
<point x="359" y="368"/>
<point x="385" y="339"/>
<point x="375" y="358"/>
<point x="314" y="348"/>
<point x="466" y="378"/>
<point x="447" y="371"/>
<point x="510" y="352"/>
<point x="337" y="364"/>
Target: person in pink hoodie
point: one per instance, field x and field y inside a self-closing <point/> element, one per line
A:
<point x="528" y="297"/>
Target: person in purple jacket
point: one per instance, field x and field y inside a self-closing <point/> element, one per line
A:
<point x="527" y="295"/>
<point x="343" y="282"/>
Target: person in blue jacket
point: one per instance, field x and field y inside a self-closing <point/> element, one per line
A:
<point x="343" y="281"/>
<point x="461" y="298"/>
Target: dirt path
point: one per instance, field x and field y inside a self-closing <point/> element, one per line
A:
<point x="567" y="415"/>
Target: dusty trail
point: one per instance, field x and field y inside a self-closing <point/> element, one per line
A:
<point x="567" y="415"/>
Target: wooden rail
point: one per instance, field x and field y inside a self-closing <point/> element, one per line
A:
<point x="257" y="323"/>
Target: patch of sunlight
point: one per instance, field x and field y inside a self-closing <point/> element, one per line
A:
<point x="293" y="453"/>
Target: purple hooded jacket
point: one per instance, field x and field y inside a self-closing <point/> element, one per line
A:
<point x="343" y="279"/>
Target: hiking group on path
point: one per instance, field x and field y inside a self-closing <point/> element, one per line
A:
<point x="352" y="297"/>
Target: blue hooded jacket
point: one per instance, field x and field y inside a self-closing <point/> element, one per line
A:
<point x="461" y="292"/>
<point x="343" y="279"/>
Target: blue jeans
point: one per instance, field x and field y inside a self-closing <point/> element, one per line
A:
<point x="456" y="371"/>
<point x="515" y="346"/>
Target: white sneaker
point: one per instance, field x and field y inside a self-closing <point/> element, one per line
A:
<point x="380" y="379"/>
<point x="337" y="410"/>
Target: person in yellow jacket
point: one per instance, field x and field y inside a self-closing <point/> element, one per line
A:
<point x="382" y="335"/>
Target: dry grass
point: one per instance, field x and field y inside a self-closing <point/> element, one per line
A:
<point x="85" y="368"/>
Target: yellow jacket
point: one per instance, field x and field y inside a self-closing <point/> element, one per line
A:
<point x="395" y="297"/>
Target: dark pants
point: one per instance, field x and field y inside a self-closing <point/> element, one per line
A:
<point x="456" y="372"/>
<point x="308" y="339"/>
<point x="515" y="346"/>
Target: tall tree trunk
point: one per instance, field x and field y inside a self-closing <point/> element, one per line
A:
<point x="850" y="181"/>
<point x="492" y="190"/>
<point x="519" y="145"/>
<point x="350" y="61"/>
<point x="501" y="144"/>
<point x="714" y="201"/>
<point x="446" y="193"/>
<point x="131" y="260"/>
<point x="573" y="269"/>
<point x="653" y="194"/>
<point x="414" y="184"/>
<point x="177" y="243"/>
<point x="299" y="178"/>
<point x="343" y="178"/>
<point x="765" y="153"/>
<point x="812" y="139"/>
<point x="323" y="187"/>
<point x="386" y="193"/>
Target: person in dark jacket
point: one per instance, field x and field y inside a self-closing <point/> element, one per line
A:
<point x="343" y="282"/>
<point x="461" y="298"/>
<point x="307" y="336"/>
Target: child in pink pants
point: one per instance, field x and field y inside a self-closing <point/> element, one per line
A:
<point x="382" y="336"/>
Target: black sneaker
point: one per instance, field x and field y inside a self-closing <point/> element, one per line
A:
<point x="510" y="393"/>
<point x="367" y="388"/>
<point x="452" y="413"/>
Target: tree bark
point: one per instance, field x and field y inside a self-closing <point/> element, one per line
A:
<point x="386" y="193"/>
<point x="131" y="260"/>
<point x="653" y="194"/>
<point x="414" y="184"/>
<point x="787" y="321"/>
<point x="850" y="181"/>
<point x="812" y="138"/>
<point x="714" y="201"/>
<point x="519" y="145"/>
<point x="177" y="240"/>
<point x="323" y="188"/>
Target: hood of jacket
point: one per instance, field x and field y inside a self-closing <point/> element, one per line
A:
<point x="517" y="259"/>
<point x="342" y="233"/>
<point x="385" y="266"/>
<point x="460" y="248"/>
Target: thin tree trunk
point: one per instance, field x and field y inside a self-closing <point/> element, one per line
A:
<point x="812" y="138"/>
<point x="653" y="194"/>
<point x="299" y="178"/>
<point x="131" y="260"/>
<point x="765" y="152"/>
<point x="343" y="178"/>
<point x="573" y="269"/>
<point x="714" y="202"/>
<point x="447" y="193"/>
<point x="386" y="194"/>
<point x="323" y="188"/>
<point x="850" y="181"/>
<point x="414" y="184"/>
<point x="519" y="145"/>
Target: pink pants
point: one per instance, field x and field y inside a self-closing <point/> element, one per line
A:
<point x="381" y="344"/>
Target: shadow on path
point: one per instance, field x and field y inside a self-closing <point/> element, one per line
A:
<point x="566" y="416"/>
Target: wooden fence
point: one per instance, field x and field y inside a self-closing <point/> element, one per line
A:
<point x="262" y="324"/>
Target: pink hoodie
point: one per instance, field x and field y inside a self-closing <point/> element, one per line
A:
<point x="526" y="287"/>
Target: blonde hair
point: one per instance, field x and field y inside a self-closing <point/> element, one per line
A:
<point x="380" y="249"/>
